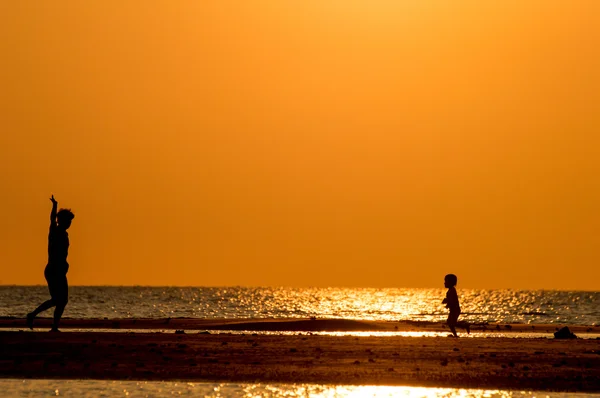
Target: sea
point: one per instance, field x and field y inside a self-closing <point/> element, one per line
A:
<point x="478" y="306"/>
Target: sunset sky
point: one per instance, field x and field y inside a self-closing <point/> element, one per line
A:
<point x="303" y="143"/>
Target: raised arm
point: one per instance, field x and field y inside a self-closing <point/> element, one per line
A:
<point x="53" y="212"/>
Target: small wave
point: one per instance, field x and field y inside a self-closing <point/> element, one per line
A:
<point x="533" y="313"/>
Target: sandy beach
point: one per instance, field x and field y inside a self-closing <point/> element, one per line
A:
<point x="484" y="362"/>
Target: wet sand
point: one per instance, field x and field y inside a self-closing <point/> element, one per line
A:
<point x="281" y="325"/>
<point x="503" y="363"/>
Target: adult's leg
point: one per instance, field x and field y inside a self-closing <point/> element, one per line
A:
<point x="61" y="298"/>
<point x="42" y="307"/>
<point x="46" y="304"/>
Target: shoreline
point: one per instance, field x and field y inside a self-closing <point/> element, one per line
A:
<point x="289" y="325"/>
<point x="488" y="363"/>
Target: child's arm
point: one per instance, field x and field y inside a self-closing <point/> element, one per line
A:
<point x="53" y="212"/>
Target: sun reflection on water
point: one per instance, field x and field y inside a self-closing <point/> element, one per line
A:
<point x="317" y="391"/>
<point x="95" y="388"/>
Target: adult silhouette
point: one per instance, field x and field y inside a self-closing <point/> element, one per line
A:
<point x="57" y="267"/>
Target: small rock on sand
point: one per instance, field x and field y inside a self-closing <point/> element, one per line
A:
<point x="564" y="333"/>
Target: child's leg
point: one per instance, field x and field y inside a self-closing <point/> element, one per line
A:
<point x="452" y="318"/>
<point x="465" y="325"/>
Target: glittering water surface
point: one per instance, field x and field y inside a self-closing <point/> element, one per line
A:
<point x="110" y="388"/>
<point x="514" y="306"/>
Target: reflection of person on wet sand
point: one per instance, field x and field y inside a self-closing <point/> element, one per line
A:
<point x="452" y="304"/>
<point x="57" y="267"/>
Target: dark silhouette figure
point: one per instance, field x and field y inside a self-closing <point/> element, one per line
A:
<point x="452" y="304"/>
<point x="57" y="267"/>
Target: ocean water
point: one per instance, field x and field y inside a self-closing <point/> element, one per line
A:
<point x="113" y="388"/>
<point x="514" y="306"/>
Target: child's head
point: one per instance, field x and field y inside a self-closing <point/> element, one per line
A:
<point x="64" y="218"/>
<point x="450" y="280"/>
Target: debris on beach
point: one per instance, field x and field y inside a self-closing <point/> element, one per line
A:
<point x="564" y="333"/>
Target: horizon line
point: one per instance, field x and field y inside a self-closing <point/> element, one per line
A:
<point x="303" y="287"/>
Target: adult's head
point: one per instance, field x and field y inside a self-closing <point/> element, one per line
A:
<point x="64" y="218"/>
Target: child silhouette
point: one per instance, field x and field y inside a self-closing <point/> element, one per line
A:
<point x="452" y="304"/>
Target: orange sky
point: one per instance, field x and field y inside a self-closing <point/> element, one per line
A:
<point x="315" y="143"/>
